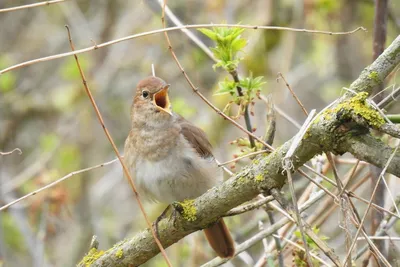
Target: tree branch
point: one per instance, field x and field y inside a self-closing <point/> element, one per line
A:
<point x="328" y="132"/>
<point x="372" y="150"/>
<point x="379" y="69"/>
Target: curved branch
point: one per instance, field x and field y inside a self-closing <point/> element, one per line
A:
<point x="372" y="150"/>
<point x="263" y="174"/>
<point x="375" y="73"/>
<point x="327" y="133"/>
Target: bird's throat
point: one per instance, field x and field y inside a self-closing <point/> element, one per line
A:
<point x="161" y="101"/>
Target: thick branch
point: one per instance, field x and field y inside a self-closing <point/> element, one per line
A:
<point x="262" y="174"/>
<point x="372" y="150"/>
<point x="375" y="73"/>
<point x="327" y="133"/>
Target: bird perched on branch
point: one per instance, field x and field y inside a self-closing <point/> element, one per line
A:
<point x="169" y="158"/>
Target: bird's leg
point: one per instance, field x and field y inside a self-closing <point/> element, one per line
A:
<point x="177" y="208"/>
<point x="159" y="218"/>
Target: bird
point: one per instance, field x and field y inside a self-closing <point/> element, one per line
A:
<point x="169" y="158"/>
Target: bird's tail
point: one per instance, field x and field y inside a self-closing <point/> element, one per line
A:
<point x="220" y="239"/>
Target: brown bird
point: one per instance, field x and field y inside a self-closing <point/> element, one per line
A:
<point x="169" y="158"/>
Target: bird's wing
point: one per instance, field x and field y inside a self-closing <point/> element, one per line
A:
<point x="196" y="137"/>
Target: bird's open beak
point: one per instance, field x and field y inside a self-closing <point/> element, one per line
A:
<point x="161" y="100"/>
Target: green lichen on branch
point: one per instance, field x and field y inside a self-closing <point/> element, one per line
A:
<point x="356" y="105"/>
<point x="188" y="210"/>
<point x="120" y="253"/>
<point x="259" y="177"/>
<point x="359" y="106"/>
<point x="374" y="76"/>
<point x="91" y="257"/>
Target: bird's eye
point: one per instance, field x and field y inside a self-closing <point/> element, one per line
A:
<point x="145" y="94"/>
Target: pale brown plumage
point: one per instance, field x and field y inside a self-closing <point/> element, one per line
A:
<point x="169" y="158"/>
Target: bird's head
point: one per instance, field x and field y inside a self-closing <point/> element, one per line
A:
<point x="151" y="101"/>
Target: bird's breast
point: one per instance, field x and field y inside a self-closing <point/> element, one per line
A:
<point x="177" y="175"/>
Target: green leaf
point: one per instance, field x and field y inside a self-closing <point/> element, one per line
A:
<point x="8" y="79"/>
<point x="7" y="82"/>
<point x="48" y="142"/>
<point x="12" y="236"/>
<point x="181" y="106"/>
<point x="70" y="71"/>
<point x="228" y="44"/>
<point x="209" y="33"/>
<point x="68" y="158"/>
<point x="226" y="87"/>
<point x="238" y="44"/>
<point x="63" y="97"/>
<point x="252" y="84"/>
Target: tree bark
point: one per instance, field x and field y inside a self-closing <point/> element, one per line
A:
<point x="330" y="131"/>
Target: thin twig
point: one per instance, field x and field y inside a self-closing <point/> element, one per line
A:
<point x="343" y="203"/>
<point x="153" y="72"/>
<point x="353" y="171"/>
<point x="188" y="33"/>
<point x="194" y="26"/>
<point x="280" y="75"/>
<point x="385" y="224"/>
<point x="380" y="238"/>
<point x="301" y="248"/>
<point x="307" y="229"/>
<point x="10" y="152"/>
<point x="56" y="182"/>
<point x="370" y="202"/>
<point x="342" y="200"/>
<point x="350" y="193"/>
<point x="247" y="119"/>
<point x="374" y="250"/>
<point x="45" y="3"/>
<point x="390" y="98"/>
<point x="249" y="206"/>
<point x="287" y="166"/>
<point x="265" y="245"/>
<point x="299" y="136"/>
<point x="125" y="169"/>
<point x="225" y="169"/>
<point x="196" y="90"/>
<point x="242" y="157"/>
<point x="318" y="185"/>
<point x="270" y="120"/>
<point x="266" y="232"/>
<point x="285" y="115"/>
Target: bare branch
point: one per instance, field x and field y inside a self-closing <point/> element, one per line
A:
<point x="10" y="152"/>
<point x="250" y="206"/>
<point x="110" y="139"/>
<point x="369" y="204"/>
<point x="264" y="174"/>
<point x="56" y="182"/>
<point x="102" y="45"/>
<point x="375" y="73"/>
<point x="45" y="3"/>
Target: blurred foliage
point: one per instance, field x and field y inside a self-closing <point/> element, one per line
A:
<point x="68" y="158"/>
<point x="69" y="70"/>
<point x="48" y="142"/>
<point x="181" y="106"/>
<point x="7" y="80"/>
<point x="12" y="237"/>
<point x="299" y="255"/>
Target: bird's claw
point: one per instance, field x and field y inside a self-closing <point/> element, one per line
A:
<point x="176" y="208"/>
<point x="159" y="218"/>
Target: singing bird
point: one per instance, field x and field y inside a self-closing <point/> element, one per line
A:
<point x="169" y="158"/>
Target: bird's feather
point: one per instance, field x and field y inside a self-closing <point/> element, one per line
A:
<point x="196" y="137"/>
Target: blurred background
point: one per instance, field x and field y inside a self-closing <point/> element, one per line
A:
<point x="45" y="112"/>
